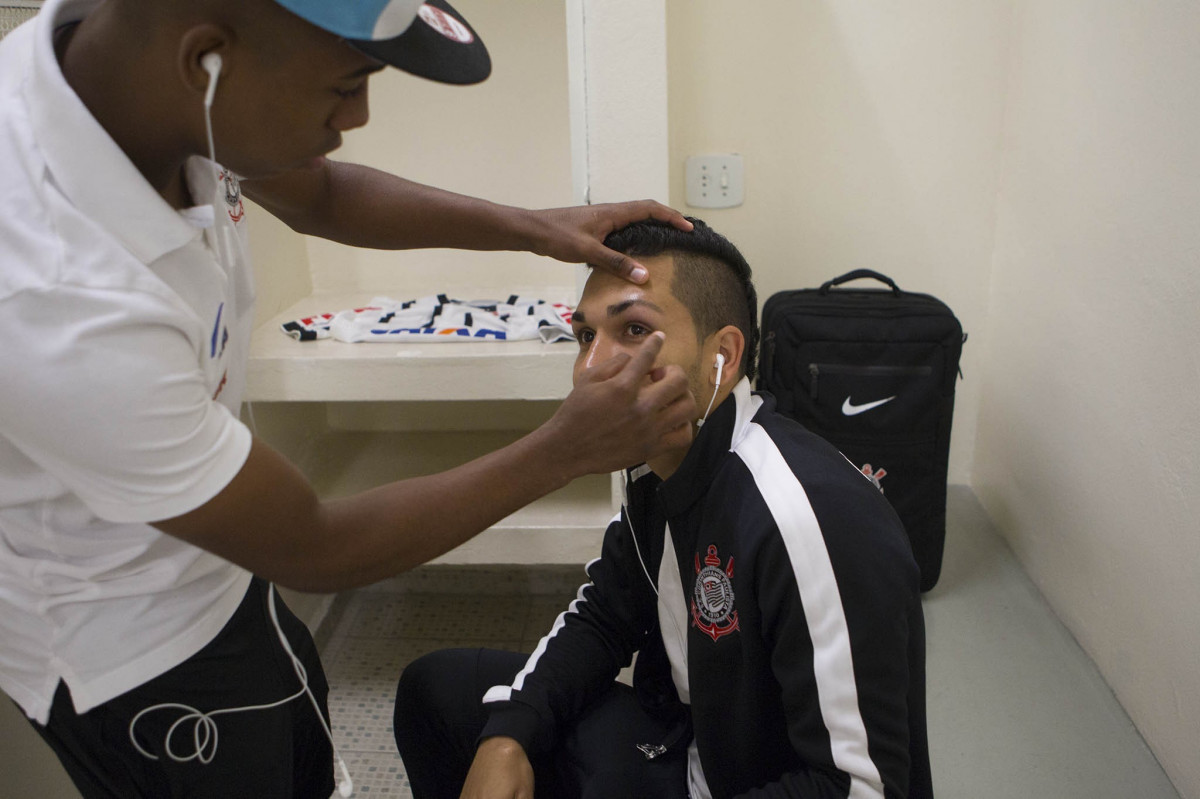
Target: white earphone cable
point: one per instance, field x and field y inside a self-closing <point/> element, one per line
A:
<point x="720" y="367"/>
<point x="212" y="65"/>
<point x="204" y="729"/>
<point x="346" y="785"/>
<point x="641" y="562"/>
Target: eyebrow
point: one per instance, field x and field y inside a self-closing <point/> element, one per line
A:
<point x="619" y="308"/>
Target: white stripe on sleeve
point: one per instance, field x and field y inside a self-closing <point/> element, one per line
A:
<point x="503" y="693"/>
<point x="833" y="666"/>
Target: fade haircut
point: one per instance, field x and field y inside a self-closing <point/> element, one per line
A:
<point x="711" y="278"/>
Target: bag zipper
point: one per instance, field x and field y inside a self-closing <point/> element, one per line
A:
<point x="768" y="359"/>
<point x="817" y="369"/>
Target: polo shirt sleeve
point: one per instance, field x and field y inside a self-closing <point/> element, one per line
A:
<point x="105" y="390"/>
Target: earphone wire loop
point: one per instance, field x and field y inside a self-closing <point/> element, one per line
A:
<point x="204" y="730"/>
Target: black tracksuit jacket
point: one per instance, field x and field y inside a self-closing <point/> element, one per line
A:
<point x="797" y="588"/>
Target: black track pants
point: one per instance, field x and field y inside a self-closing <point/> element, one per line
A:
<point x="439" y="716"/>
<point x="277" y="752"/>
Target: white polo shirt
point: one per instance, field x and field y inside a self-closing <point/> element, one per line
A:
<point x="124" y="326"/>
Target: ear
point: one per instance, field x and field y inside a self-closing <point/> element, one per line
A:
<point x="730" y="343"/>
<point x="197" y="42"/>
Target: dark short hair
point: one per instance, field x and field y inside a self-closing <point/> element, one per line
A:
<point x="712" y="279"/>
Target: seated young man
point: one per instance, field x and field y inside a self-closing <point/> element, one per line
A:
<point x="765" y="585"/>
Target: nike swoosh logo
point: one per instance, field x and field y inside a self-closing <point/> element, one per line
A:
<point x="849" y="409"/>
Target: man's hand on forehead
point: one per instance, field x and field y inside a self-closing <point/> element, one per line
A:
<point x="576" y="235"/>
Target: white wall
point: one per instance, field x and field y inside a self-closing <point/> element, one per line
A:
<point x="1088" y="450"/>
<point x="619" y="98"/>
<point x="281" y="267"/>
<point x="869" y="133"/>
<point x="507" y="140"/>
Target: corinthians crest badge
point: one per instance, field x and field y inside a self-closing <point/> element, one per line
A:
<point x="233" y="195"/>
<point x="712" y="597"/>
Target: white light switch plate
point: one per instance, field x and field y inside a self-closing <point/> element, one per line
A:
<point x="715" y="181"/>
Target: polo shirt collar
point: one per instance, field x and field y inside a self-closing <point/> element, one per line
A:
<point x="91" y="169"/>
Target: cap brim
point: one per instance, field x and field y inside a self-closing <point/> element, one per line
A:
<point x="424" y="51"/>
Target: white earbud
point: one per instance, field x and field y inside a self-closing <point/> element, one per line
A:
<point x="720" y="367"/>
<point x="212" y="65"/>
<point x="211" y="62"/>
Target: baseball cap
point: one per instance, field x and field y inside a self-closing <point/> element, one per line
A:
<point x="423" y="37"/>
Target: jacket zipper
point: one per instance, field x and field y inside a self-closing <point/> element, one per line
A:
<point x="651" y="750"/>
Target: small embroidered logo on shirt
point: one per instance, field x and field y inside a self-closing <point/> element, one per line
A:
<point x="712" y="596"/>
<point x="874" y="475"/>
<point x="233" y="195"/>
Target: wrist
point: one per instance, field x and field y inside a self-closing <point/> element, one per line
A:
<point x="501" y="745"/>
<point x="552" y="449"/>
<point x="526" y="230"/>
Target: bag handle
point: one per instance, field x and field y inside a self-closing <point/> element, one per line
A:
<point x="855" y="275"/>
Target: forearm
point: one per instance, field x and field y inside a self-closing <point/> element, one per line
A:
<point x="364" y="207"/>
<point x="270" y="520"/>
<point x="395" y="527"/>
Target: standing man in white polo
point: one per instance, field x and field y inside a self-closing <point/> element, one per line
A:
<point x="140" y="521"/>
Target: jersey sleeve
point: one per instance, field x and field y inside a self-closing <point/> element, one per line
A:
<point x="106" y="391"/>
<point x="589" y="643"/>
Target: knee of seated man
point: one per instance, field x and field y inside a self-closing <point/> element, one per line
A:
<point x="417" y="690"/>
<point x="428" y="682"/>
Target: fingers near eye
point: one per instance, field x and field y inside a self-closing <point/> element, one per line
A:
<point x="643" y="359"/>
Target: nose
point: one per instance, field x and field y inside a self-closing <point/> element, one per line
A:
<point x="352" y="112"/>
<point x="601" y="349"/>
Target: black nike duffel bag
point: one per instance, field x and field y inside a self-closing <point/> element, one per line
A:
<point x="873" y="372"/>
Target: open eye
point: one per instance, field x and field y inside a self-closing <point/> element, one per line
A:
<point x="637" y="330"/>
<point x="585" y="336"/>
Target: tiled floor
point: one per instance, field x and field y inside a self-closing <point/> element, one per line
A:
<point x="1016" y="709"/>
<point x="376" y="631"/>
